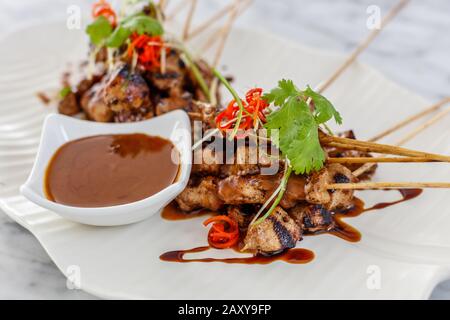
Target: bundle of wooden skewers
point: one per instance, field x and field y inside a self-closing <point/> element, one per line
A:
<point x="389" y="153"/>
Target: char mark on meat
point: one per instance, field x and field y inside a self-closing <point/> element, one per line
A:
<point x="313" y="219"/>
<point x="127" y="92"/>
<point x="172" y="80"/>
<point x="317" y="192"/>
<point x="243" y="215"/>
<point x="275" y="234"/>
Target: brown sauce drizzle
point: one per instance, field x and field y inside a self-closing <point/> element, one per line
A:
<point x="292" y="256"/>
<point x="349" y="233"/>
<point x="172" y="213"/>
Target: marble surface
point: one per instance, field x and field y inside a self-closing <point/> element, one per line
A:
<point x="413" y="51"/>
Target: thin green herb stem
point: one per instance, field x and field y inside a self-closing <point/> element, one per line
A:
<point x="236" y="98"/>
<point x="197" y="74"/>
<point x="277" y="201"/>
<point x="330" y="132"/>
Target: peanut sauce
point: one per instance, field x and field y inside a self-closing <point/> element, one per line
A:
<point x="292" y="256"/>
<point x="110" y="170"/>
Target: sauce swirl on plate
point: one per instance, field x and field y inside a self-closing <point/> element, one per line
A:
<point x="292" y="256"/>
<point x="110" y="170"/>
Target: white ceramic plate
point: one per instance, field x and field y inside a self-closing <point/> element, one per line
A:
<point x="405" y="247"/>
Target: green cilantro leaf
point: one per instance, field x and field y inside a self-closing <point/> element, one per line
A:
<point x="285" y="89"/>
<point x="99" y="30"/>
<point x="324" y="110"/>
<point x="298" y="137"/>
<point x="298" y="125"/>
<point x="118" y="37"/>
<point x="144" y="24"/>
<point x="305" y="152"/>
<point x="138" y="23"/>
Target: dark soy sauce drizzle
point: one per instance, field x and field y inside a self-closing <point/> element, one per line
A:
<point x="347" y="232"/>
<point x="172" y="213"/>
<point x="292" y="256"/>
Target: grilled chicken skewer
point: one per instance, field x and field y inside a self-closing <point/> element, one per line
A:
<point x="388" y="185"/>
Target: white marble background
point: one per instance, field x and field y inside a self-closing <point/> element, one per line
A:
<point x="414" y="51"/>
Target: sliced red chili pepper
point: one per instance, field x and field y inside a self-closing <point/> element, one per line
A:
<point x="224" y="232"/>
<point x="103" y="8"/>
<point x="148" y="49"/>
<point x="254" y="106"/>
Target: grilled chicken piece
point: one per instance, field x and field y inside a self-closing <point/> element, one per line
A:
<point x="243" y="215"/>
<point x="210" y="162"/>
<point x="126" y="91"/>
<point x="173" y="77"/>
<point x="205" y="112"/>
<point x="132" y="115"/>
<point x="203" y="195"/>
<point x="94" y="106"/>
<point x="316" y="188"/>
<point x="295" y="192"/>
<point x="237" y="190"/>
<point x="249" y="160"/>
<point x="243" y="161"/>
<point x="174" y="102"/>
<point x="312" y="218"/>
<point x="275" y="234"/>
<point x="85" y="84"/>
<point x="69" y="105"/>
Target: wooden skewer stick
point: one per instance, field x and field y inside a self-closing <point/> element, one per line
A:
<point x="413" y="118"/>
<point x="366" y="167"/>
<point x="187" y="24"/>
<point x="395" y="10"/>
<point x="387" y="185"/>
<point x="373" y="160"/>
<point x="225" y="32"/>
<point x="365" y="146"/>
<point x="394" y="151"/>
<point x="424" y="126"/>
<point x="215" y="36"/>
<point x="210" y="21"/>
<point x="163" y="4"/>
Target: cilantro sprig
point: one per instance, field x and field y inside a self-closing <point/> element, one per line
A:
<point x="101" y="32"/>
<point x="298" y="124"/>
<point x="139" y="23"/>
